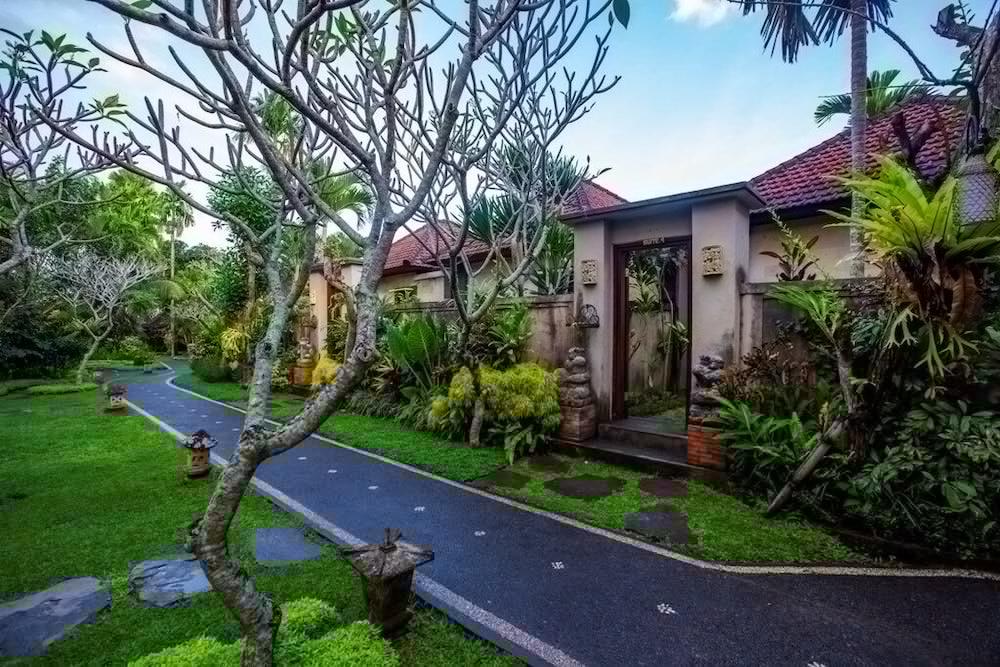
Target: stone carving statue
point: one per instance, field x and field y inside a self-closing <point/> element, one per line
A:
<point x="305" y="352"/>
<point x="705" y="397"/>
<point x="578" y="413"/>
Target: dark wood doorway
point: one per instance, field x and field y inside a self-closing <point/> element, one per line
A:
<point x="651" y="364"/>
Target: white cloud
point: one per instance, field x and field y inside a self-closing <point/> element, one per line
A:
<point x="703" y="12"/>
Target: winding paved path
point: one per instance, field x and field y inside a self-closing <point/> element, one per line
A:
<point x="556" y="593"/>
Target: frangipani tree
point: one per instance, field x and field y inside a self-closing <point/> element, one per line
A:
<point x="42" y="175"/>
<point x="404" y="96"/>
<point x="96" y="288"/>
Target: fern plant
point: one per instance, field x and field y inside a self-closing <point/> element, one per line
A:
<point x="934" y="262"/>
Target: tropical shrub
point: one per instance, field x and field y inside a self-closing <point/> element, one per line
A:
<point x="421" y="347"/>
<point x="796" y="259"/>
<point x="938" y="482"/>
<point x="51" y="389"/>
<point x="935" y="262"/>
<point x="763" y="451"/>
<point x="521" y="405"/>
<point x="325" y="372"/>
<point x="211" y="369"/>
<point x="371" y="405"/>
<point x="135" y="350"/>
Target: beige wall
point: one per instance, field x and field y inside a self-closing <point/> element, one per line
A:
<point x="715" y="317"/>
<point x="831" y="249"/>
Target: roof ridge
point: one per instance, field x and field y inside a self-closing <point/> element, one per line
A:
<point x="597" y="185"/>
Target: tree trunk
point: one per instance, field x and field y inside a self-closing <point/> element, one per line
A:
<point x="859" y="122"/>
<point x="257" y="614"/>
<point x="476" y="427"/>
<point x="173" y="320"/>
<point x="90" y="353"/>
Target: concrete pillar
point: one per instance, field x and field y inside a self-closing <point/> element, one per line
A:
<point x="720" y="230"/>
<point x="592" y="245"/>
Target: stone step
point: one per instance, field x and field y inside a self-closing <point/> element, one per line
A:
<point x="645" y="459"/>
<point x="646" y="433"/>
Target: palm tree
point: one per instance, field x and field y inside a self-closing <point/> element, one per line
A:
<point x="177" y="215"/>
<point x="883" y="95"/>
<point x="797" y="23"/>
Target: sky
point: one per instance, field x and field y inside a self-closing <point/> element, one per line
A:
<point x="700" y="102"/>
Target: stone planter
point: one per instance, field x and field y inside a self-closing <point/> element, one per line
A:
<point x="386" y="571"/>
<point x="200" y="445"/>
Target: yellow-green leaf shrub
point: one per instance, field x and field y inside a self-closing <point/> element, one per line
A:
<point x="200" y="652"/>
<point x="306" y="618"/>
<point x="521" y="400"/>
<point x="350" y="646"/>
<point x="325" y="372"/>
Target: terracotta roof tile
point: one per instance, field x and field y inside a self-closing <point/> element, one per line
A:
<point x="410" y="253"/>
<point x="807" y="178"/>
<point x="589" y="197"/>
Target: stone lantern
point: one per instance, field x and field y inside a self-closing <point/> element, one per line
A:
<point x="200" y="445"/>
<point x="386" y="571"/>
<point x="117" y="398"/>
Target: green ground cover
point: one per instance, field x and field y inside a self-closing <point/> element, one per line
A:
<point x="83" y="493"/>
<point x="722" y="527"/>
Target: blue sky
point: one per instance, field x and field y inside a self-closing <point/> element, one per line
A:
<point x="700" y="103"/>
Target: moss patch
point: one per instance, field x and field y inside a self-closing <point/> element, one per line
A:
<point x="721" y="527"/>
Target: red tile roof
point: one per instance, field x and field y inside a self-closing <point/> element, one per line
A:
<point x="590" y="197"/>
<point x="807" y="178"/>
<point x="410" y="254"/>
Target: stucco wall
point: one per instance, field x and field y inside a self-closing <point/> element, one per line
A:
<point x="831" y="249"/>
<point x="551" y="338"/>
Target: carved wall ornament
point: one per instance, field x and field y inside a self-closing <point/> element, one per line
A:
<point x="711" y="260"/>
<point x="588" y="271"/>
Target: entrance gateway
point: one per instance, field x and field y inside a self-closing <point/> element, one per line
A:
<point x="664" y="277"/>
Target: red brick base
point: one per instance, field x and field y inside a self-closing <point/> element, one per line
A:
<point x="705" y="448"/>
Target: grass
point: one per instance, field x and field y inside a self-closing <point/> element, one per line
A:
<point x="378" y="435"/>
<point x="83" y="493"/>
<point x="722" y="527"/>
<point x="115" y="365"/>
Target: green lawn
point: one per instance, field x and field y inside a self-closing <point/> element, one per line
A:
<point x="83" y="493"/>
<point x="380" y="435"/>
<point x="722" y="527"/>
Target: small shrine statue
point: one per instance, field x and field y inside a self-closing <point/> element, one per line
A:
<point x="705" y="397"/>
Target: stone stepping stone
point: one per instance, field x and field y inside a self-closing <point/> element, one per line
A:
<point x="278" y="546"/>
<point x="664" y="488"/>
<point x="549" y="463"/>
<point x="503" y="478"/>
<point x="30" y="624"/>
<point x="585" y="486"/>
<point x="661" y="526"/>
<point x="167" y="583"/>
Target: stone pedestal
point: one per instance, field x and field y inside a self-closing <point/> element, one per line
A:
<point x="577" y="424"/>
<point x="705" y="447"/>
<point x="302" y="374"/>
